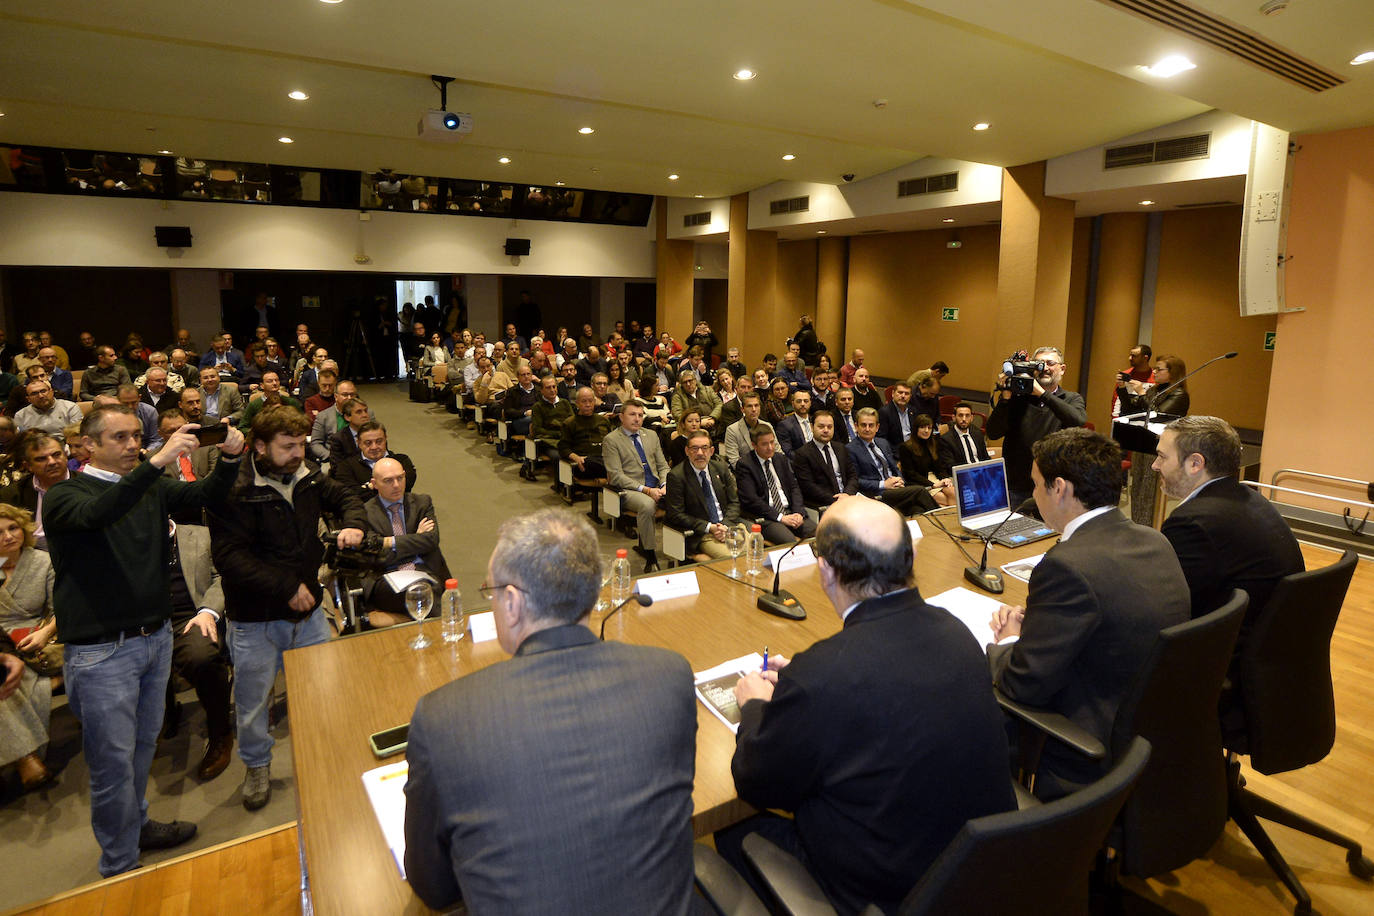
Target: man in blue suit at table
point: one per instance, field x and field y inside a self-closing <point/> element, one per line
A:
<point x="880" y="475"/>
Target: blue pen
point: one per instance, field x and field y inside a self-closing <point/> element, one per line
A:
<point x="765" y="658"/>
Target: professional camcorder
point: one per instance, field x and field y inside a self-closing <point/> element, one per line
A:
<point x="1021" y="373"/>
<point x="367" y="556"/>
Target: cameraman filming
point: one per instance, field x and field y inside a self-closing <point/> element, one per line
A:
<point x="1022" y="414"/>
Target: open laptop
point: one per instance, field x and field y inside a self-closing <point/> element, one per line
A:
<point x="980" y="490"/>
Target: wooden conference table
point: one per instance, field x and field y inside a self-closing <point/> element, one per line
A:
<point x="344" y="690"/>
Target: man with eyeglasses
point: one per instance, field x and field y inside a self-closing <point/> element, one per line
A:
<point x="1024" y="420"/>
<point x="560" y="780"/>
<point x="702" y="500"/>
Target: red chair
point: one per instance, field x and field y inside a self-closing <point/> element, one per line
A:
<point x="947" y="404"/>
<point x="887" y="394"/>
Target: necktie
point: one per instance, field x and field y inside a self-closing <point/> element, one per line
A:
<point x="805" y="428"/>
<point x="968" y="447"/>
<point x="712" y="512"/>
<point x="879" y="460"/>
<point x="398" y="528"/>
<point x="775" y="500"/>
<point x="834" y="469"/>
<point x="849" y="425"/>
<point x="188" y="475"/>
<point x="649" y="479"/>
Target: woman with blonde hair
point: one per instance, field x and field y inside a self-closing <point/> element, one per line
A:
<point x="26" y="617"/>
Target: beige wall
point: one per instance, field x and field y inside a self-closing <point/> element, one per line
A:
<point x="796" y="292"/>
<point x="1116" y="323"/>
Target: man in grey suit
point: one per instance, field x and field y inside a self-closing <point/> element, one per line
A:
<point x="636" y="467"/>
<point x="1096" y="604"/>
<point x="221" y="401"/>
<point x="197" y="609"/>
<point x="559" y="781"/>
<point x="410" y="534"/>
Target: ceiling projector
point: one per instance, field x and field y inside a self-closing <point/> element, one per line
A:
<point x="445" y="126"/>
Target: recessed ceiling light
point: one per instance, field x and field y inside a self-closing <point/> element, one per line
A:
<point x="1169" y="66"/>
<point x="947" y="219"/>
<point x="1147" y="203"/>
<point x="1364" y="58"/>
<point x="504" y="160"/>
<point x="298" y="95"/>
<point x="285" y="140"/>
<point x="673" y="177"/>
<point x="586" y="130"/>
<point x="788" y="158"/>
<point x="331" y="1"/>
<point x="820" y="232"/>
<point x="560" y="182"/>
<point x="981" y="125"/>
<point x="698" y="195"/>
<point x="744" y="73"/>
<point x="164" y="152"/>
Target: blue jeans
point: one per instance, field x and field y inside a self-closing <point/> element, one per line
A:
<point x="118" y="691"/>
<point x="257" y="648"/>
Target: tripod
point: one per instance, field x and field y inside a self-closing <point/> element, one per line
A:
<point x="357" y="342"/>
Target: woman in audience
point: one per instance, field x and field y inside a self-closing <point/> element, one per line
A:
<point x="919" y="459"/>
<point x="77" y="453"/>
<point x="27" y="619"/>
<point x="676" y="452"/>
<point x="1137" y="398"/>
<point x="823" y="362"/>
<point x="435" y="352"/>
<point x="778" y="403"/>
<point x="655" y="405"/>
<point x="132" y="358"/>
<point x="616" y="382"/>
<point x="724" y="385"/>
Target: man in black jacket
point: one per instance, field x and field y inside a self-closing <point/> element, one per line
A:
<point x="824" y="471"/>
<point x="1026" y="419"/>
<point x="266" y="548"/>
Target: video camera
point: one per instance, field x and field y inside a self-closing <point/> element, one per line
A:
<point x="1021" y="374"/>
<point x="367" y="556"/>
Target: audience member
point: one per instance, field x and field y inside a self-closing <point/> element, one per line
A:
<point x="104" y="377"/>
<point x="590" y="365"/>
<point x="270" y="394"/>
<point x="778" y="404"/>
<point x="768" y="490"/>
<point x="607" y="401"/>
<point x="962" y="443"/>
<point x="919" y="460"/>
<point x="849" y="369"/>
<point x="326" y="379"/>
<point x="44" y="411"/>
<point x="880" y="475"/>
<point x="652" y="401"/>
<point x="29" y="357"/>
<point x="58" y="375"/>
<point x="223" y="358"/>
<point x="344" y="442"/>
<point x="794" y="430"/>
<point x="41" y="455"/>
<point x="702" y="499"/>
<point x="938" y="370"/>
<point x="547" y="415"/>
<point x="635" y="467"/>
<point x="180" y="366"/>
<point x="157" y="392"/>
<point x="128" y="396"/>
<point x="220" y="400"/>
<point x="734" y="365"/>
<point x="738" y="439"/>
<point x="410" y="537"/>
<point x="896" y="418"/>
<point x="358" y="471"/>
<point x="690" y="394"/>
<point x="794" y="374"/>
<point x="583" y="435"/>
<point x="702" y="336"/>
<point x="866" y="394"/>
<point x="1023" y="420"/>
<point x="824" y="471"/>
<point x="27" y="630"/>
<point x="329" y="420"/>
<point x="517" y="403"/>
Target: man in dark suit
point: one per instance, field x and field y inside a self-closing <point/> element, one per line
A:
<point x="824" y="471"/>
<point x="768" y="490"/>
<point x="356" y="471"/>
<point x="542" y="837"/>
<point x="344" y="443"/>
<point x="879" y="472"/>
<point x="410" y="532"/>
<point x="794" y="430"/>
<point x="157" y="392"/>
<point x="845" y="430"/>
<point x="961" y="443"/>
<point x="1097" y="601"/>
<point x="882" y="739"/>
<point x="1226" y="535"/>
<point x="897" y="418"/>
<point x="705" y="510"/>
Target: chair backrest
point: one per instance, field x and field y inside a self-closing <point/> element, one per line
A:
<point x="887" y="393"/>
<point x="947" y="404"/>
<point x="1179" y="807"/>
<point x="1040" y="856"/>
<point x="1285" y="669"/>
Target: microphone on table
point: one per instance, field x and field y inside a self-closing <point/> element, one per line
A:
<point x="782" y="603"/>
<point x="990" y="580"/>
<point x="640" y="599"/>
<point x="1155" y="395"/>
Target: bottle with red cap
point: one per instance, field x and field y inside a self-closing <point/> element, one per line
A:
<point x="620" y="577"/>
<point x="454" y="622"/>
<point x="754" y="550"/>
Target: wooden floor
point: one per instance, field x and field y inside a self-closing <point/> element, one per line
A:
<point x="260" y="874"/>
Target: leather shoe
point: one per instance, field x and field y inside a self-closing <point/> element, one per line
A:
<point x="34" y="774"/>
<point x="165" y="835"/>
<point x="216" y="758"/>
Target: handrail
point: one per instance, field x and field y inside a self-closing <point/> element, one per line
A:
<point x="1338" y="499"/>
<point x="1274" y="477"/>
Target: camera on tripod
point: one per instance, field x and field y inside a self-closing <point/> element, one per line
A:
<point x="367" y="556"/>
<point x="1021" y="374"/>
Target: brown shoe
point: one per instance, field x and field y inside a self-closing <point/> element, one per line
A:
<point x="217" y="756"/>
<point x="33" y="773"/>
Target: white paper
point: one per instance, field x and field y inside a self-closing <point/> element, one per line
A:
<point x="1021" y="569"/>
<point x="799" y="557"/>
<point x="673" y="585"/>
<point x="972" y="610"/>
<point x="402" y="579"/>
<point x="386" y="789"/>
<point x="914" y="526"/>
<point x="483" y="626"/>
<point x="722" y="695"/>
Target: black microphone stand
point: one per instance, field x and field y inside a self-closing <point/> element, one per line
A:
<point x="990" y="580"/>
<point x="782" y="603"/>
<point x="1153" y="397"/>
<point x="641" y="599"/>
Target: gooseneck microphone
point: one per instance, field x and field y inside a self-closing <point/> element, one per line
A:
<point x="778" y="602"/>
<point x="640" y="599"/>
<point x="990" y="580"/>
<point x="1154" y="396"/>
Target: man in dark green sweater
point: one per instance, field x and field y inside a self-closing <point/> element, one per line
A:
<point x="107" y="533"/>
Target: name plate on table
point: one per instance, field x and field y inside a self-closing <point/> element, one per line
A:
<point x="914" y="526"/>
<point x="673" y="585"/>
<point x="483" y="626"/>
<point x="799" y="557"/>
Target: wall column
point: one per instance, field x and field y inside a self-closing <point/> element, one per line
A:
<point x="1033" y="268"/>
<point x="752" y="294"/>
<point x="832" y="296"/>
<point x="1116" y="321"/>
<point x="676" y="271"/>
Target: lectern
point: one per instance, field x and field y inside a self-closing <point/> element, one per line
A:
<point x="1139" y="432"/>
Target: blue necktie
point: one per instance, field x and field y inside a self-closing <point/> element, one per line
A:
<point x="649" y="479"/>
<point x="712" y="512"/>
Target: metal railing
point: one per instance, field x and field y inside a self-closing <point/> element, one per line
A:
<point x="1354" y="525"/>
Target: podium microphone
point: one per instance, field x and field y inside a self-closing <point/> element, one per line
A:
<point x="1154" y="396"/>
<point x="782" y="603"/>
<point x="990" y="580"/>
<point x="640" y="599"/>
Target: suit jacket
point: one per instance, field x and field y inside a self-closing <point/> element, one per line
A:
<point x="871" y="476"/>
<point x="684" y="505"/>
<point x="596" y="818"/>
<point x="1228" y="536"/>
<point x="753" y="489"/>
<point x="790" y="435"/>
<point x="198" y="569"/>
<point x="817" y="484"/>
<point x="356" y="473"/>
<point x="414" y="507"/>
<point x="881" y="760"/>
<point x="890" y="424"/>
<point x="324" y="426"/>
<point x="623" y="468"/>
<point x="952" y="450"/>
<point x="1095" y="608"/>
<point x="342" y="445"/>
<point x="841" y="430"/>
<point x="168" y="400"/>
<point x="230" y="402"/>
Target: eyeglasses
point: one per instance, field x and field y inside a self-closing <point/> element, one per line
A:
<point x="698" y="448"/>
<point x="486" y="591"/>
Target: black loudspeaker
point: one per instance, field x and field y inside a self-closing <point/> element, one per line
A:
<point x="517" y="247"/>
<point x="173" y="236"/>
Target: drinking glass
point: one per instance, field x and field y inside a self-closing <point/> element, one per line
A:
<point x="419" y="602"/>
<point x="734" y="542"/>
<point x="603" y="603"/>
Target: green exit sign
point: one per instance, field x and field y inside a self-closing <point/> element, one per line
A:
<point x="949" y="314"/>
<point x="1269" y="338"/>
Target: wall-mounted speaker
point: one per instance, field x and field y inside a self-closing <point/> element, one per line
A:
<point x="517" y="247"/>
<point x="173" y="236"/>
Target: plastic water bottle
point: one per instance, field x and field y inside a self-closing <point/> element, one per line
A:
<point x="620" y="577"/>
<point x="455" y="623"/>
<point x="754" y="549"/>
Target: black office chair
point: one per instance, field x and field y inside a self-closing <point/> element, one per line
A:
<point x="1288" y="709"/>
<point x="1033" y="861"/>
<point x="1178" y="808"/>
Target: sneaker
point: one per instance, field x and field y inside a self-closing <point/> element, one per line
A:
<point x="257" y="787"/>
<point x="164" y="835"/>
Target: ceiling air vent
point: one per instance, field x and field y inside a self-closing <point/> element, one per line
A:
<point x="873" y="232"/>
<point x="697" y="219"/>
<point x="1231" y="39"/>
<point x="789" y="205"/>
<point x="1209" y="203"/>
<point x="1174" y="149"/>
<point x="928" y="185"/>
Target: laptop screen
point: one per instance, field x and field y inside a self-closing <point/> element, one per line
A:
<point x="981" y="488"/>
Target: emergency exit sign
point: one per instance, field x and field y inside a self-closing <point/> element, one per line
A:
<point x="949" y="314"/>
<point x="1269" y="338"/>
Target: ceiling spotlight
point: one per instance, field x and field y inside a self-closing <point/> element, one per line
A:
<point x="331" y="1"/>
<point x="673" y="177"/>
<point x="164" y="152"/>
<point x="820" y="232"/>
<point x="504" y="160"/>
<point x="788" y="158"/>
<point x="298" y="95"/>
<point x="1169" y="66"/>
<point x="981" y="125"/>
<point x="1147" y="203"/>
<point x="698" y="195"/>
<point x="1364" y="58"/>
<point x="947" y="219"/>
<point x="285" y="140"/>
<point x="586" y="130"/>
<point x="560" y="182"/>
<point x="744" y="73"/>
